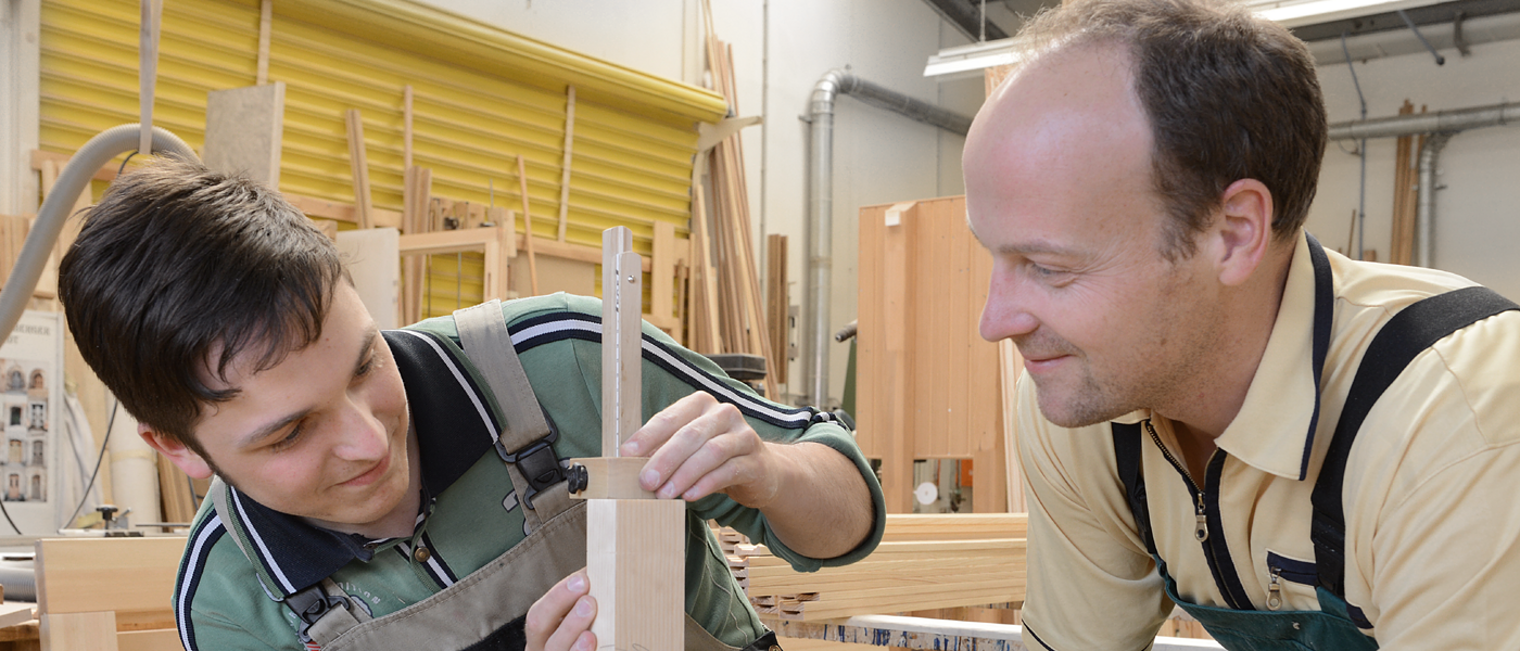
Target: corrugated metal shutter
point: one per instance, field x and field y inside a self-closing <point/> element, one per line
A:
<point x="481" y="97"/>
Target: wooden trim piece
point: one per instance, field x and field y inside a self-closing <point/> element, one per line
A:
<point x="522" y="181"/>
<point x="95" y="631"/>
<point x="564" y="179"/>
<point x="266" y="21"/>
<point x="633" y="548"/>
<point x="360" y="166"/>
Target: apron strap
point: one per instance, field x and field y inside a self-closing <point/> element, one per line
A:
<point x="1127" y="441"/>
<point x="524" y="442"/>
<point x="1409" y="332"/>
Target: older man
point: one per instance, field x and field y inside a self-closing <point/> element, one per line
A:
<point x="1201" y="365"/>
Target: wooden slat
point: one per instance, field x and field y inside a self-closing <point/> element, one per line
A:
<point x="359" y="162"/>
<point x="564" y="179"/>
<point x="662" y="265"/>
<point x="897" y="372"/>
<point x="165" y="639"/>
<point x="777" y="303"/>
<point x="522" y="181"/>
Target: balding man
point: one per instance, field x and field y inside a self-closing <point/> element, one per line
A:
<point x="1202" y="366"/>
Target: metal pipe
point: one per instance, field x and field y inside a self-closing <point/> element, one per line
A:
<point x="1405" y="125"/>
<point x="1425" y="212"/>
<point x="74" y="178"/>
<point x="815" y="338"/>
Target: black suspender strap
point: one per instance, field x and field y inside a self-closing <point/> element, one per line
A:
<point x="1409" y="332"/>
<point x="1127" y="441"/>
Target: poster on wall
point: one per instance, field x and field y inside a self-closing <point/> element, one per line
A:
<point x="31" y="384"/>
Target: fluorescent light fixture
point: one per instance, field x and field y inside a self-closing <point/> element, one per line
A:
<point x="969" y="60"/>
<point x="1297" y="13"/>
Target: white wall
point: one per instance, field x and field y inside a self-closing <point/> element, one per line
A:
<point x="781" y="49"/>
<point x="1477" y="215"/>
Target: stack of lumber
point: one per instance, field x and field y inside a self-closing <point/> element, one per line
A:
<point x="726" y="301"/>
<point x="924" y="562"/>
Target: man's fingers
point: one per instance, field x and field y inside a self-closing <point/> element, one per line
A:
<point x="665" y="424"/>
<point x="557" y="619"/>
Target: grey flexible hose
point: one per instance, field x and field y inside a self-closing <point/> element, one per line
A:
<point x="74" y="178"/>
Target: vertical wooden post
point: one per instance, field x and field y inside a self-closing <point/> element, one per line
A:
<point x="635" y="551"/>
<point x="356" y="159"/>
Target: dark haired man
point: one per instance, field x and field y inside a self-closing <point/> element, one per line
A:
<point x="375" y="489"/>
<point x="1202" y="366"/>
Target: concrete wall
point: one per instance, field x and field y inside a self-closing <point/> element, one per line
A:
<point x="1477" y="223"/>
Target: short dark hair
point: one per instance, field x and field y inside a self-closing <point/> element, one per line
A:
<point x="1229" y="95"/>
<point x="177" y="262"/>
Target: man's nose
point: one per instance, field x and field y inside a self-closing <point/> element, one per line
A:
<point x="364" y="437"/>
<point x="1006" y="313"/>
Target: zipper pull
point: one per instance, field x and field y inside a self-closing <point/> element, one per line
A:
<point x="1201" y="532"/>
<point x="1274" y="591"/>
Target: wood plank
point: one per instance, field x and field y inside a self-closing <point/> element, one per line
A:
<point x="522" y="181"/>
<point x="360" y="166"/>
<point x="455" y="241"/>
<point x="777" y="304"/>
<point x="662" y="265"/>
<point x="244" y="132"/>
<point x="13" y="613"/>
<point x="164" y="639"/>
<point x="896" y="371"/>
<point x="564" y="179"/>
<point x="1010" y="370"/>
<point x="266" y="23"/>
<point x="706" y="321"/>
<point x="871" y="425"/>
<point x="69" y="572"/>
<point x="95" y="631"/>
<point x="406" y="126"/>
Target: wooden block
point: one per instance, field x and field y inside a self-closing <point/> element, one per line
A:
<point x="16" y="612"/>
<point x="612" y="478"/>
<point x="244" y="131"/>
<point x="142" y="572"/>
<point x="95" y="631"/>
<point x="635" y="558"/>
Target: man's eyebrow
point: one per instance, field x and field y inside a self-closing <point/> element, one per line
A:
<point x="1021" y="248"/>
<point x="252" y="438"/>
<point x="370" y="335"/>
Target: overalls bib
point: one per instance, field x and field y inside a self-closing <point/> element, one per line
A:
<point x="1332" y="627"/>
<point x="484" y="611"/>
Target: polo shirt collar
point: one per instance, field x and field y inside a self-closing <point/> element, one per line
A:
<point x="454" y="429"/>
<point x="1274" y="431"/>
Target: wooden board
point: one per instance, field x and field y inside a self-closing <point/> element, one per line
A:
<point x="244" y="131"/>
<point x="926" y="383"/>
<point x="359" y="164"/>
<point x="635" y="556"/>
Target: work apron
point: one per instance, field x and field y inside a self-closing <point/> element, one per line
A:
<point x="486" y="610"/>
<point x="1334" y="627"/>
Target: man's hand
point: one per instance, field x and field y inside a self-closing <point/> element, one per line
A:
<point x="561" y="619"/>
<point x="812" y="496"/>
<point x="701" y="446"/>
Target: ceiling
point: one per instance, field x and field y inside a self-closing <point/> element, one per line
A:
<point x="1373" y="31"/>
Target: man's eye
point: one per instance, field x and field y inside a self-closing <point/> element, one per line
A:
<point x="289" y="440"/>
<point x="368" y="366"/>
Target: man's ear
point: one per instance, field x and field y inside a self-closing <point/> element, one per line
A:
<point x="1243" y="233"/>
<point x="178" y="453"/>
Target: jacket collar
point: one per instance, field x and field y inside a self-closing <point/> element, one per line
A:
<point x="1274" y="431"/>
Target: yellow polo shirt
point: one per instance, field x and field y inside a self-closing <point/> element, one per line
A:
<point x="1432" y="488"/>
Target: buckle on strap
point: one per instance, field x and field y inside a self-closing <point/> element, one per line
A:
<point x="312" y="603"/>
<point x="536" y="461"/>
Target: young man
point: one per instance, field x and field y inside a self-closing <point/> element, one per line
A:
<point x="1142" y="181"/>
<point x="375" y="490"/>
